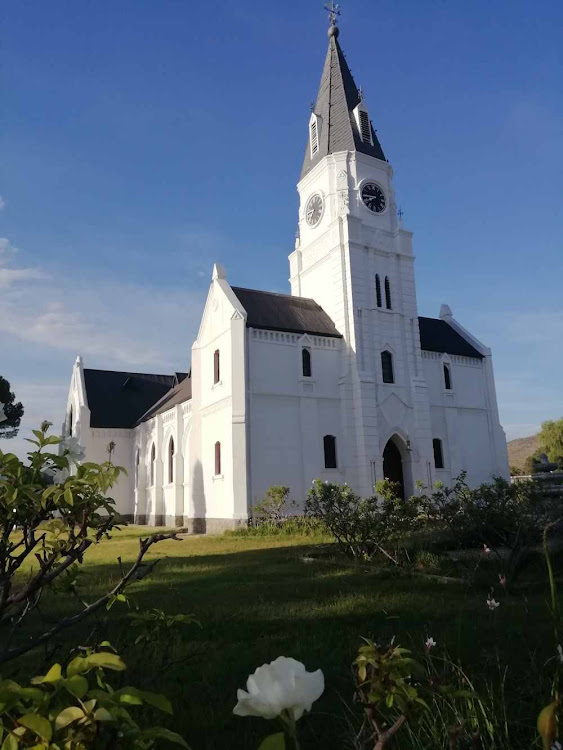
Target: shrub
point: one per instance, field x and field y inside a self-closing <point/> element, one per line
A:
<point x="361" y="527"/>
<point x="272" y="509"/>
<point x="496" y="516"/>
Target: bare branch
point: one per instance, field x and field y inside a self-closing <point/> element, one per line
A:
<point x="129" y="577"/>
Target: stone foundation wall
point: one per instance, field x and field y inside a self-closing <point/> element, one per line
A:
<point x="194" y="525"/>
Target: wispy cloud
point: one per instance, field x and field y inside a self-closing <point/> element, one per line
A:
<point x="49" y="318"/>
<point x="2" y="203"/>
<point x="10" y="275"/>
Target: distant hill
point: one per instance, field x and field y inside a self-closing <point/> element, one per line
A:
<point x="521" y="448"/>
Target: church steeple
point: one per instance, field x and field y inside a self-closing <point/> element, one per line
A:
<point x="339" y="120"/>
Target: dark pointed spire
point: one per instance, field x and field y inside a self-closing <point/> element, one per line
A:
<point x="337" y="98"/>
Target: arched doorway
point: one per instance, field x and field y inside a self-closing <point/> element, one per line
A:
<point x="393" y="466"/>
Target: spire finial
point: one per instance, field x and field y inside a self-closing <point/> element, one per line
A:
<point x="333" y="13"/>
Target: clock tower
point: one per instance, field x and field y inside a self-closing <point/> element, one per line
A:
<point x="354" y="258"/>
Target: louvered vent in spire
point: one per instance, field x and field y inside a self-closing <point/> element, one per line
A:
<point x="314" y="128"/>
<point x="365" y="129"/>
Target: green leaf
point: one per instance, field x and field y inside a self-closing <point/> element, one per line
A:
<point x="160" y="733"/>
<point x="37" y="724"/>
<point x="106" y="660"/>
<point x="158" y="701"/>
<point x="273" y="742"/>
<point x="67" y="716"/>
<point x="77" y="686"/>
<point x="77" y="666"/>
<point x="10" y="743"/>
<point x="69" y="499"/>
<point x="52" y="676"/>
<point x="102" y="714"/>
<point x="129" y="695"/>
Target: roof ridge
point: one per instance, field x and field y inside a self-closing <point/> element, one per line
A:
<point x="128" y="372"/>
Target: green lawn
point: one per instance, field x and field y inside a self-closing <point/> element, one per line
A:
<point x="257" y="599"/>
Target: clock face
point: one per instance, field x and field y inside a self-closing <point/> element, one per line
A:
<point x="374" y="197"/>
<point x="314" y="210"/>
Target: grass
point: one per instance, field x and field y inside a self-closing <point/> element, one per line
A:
<point x="257" y="599"/>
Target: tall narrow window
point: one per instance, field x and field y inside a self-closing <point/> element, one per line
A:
<point x="70" y="421"/>
<point x="137" y="459"/>
<point x="217" y="458"/>
<point x="306" y="362"/>
<point x="171" y="460"/>
<point x="216" y="367"/>
<point x="153" y="464"/>
<point x="387" y="293"/>
<point x="438" y="454"/>
<point x="378" y="290"/>
<point x="447" y="378"/>
<point x="329" y="445"/>
<point x="387" y="367"/>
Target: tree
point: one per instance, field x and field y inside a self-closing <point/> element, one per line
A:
<point x="551" y="440"/>
<point x="10" y="413"/>
<point x="51" y="515"/>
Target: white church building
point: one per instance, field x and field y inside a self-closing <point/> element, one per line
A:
<point x="340" y="380"/>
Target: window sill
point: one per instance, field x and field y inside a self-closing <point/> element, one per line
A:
<point x="218" y="477"/>
<point x="216" y="385"/>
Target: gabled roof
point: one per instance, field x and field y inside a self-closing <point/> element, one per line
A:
<point x="337" y="98"/>
<point x="438" y="336"/>
<point x="119" y="399"/>
<point x="284" y="312"/>
<point x="181" y="392"/>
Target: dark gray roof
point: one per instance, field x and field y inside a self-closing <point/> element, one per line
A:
<point x="119" y="399"/>
<point x="337" y="98"/>
<point x="438" y="336"/>
<point x="181" y="392"/>
<point x="284" y="312"/>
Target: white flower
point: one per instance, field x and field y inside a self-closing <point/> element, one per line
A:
<point x="486" y="549"/>
<point x="73" y="450"/>
<point x="492" y="604"/>
<point x="282" y="685"/>
<point x="560" y="653"/>
<point x="430" y="643"/>
<point x="3" y="416"/>
<point x="57" y="474"/>
<point x="557" y="745"/>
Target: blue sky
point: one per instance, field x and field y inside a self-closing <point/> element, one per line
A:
<point x="143" y="140"/>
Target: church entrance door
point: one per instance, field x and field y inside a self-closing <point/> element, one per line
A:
<point x="393" y="466"/>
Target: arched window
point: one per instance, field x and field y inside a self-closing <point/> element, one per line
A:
<point x="306" y="362"/>
<point x="387" y="367"/>
<point x="171" y="460"/>
<point x="447" y="378"/>
<point x="153" y="464"/>
<point x="216" y="370"/>
<point x="438" y="454"/>
<point x="137" y="458"/>
<point x="217" y="458"/>
<point x="329" y="444"/>
<point x="387" y="293"/>
<point x="378" y="290"/>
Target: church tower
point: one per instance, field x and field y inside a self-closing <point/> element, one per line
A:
<point x="354" y="258"/>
